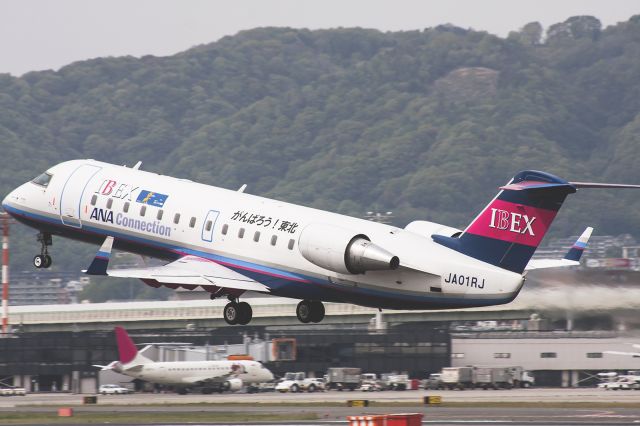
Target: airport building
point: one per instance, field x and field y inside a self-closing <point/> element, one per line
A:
<point x="53" y="348"/>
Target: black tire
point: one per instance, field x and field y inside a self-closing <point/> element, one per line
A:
<point x="47" y="261"/>
<point x="311" y="388"/>
<point x="246" y="313"/>
<point x="304" y="311"/>
<point x="231" y="313"/>
<point x="294" y="388"/>
<point x="317" y="311"/>
<point x="38" y="261"/>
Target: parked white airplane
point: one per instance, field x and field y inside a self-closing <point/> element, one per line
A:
<point x="206" y="375"/>
<point x="631" y="354"/>
<point x="229" y="242"/>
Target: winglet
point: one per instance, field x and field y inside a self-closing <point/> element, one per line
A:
<point x="575" y="252"/>
<point x="101" y="261"/>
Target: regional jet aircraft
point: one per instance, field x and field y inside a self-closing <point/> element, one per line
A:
<point x="229" y="242"/>
<point x="206" y="375"/>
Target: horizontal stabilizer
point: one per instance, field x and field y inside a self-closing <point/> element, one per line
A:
<point x="604" y="185"/>
<point x="572" y="258"/>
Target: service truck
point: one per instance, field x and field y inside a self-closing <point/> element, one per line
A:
<point x="457" y="377"/>
<point x="493" y="377"/>
<point x="521" y="377"/>
<point x="343" y="378"/>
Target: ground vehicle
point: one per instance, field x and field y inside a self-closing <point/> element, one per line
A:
<point x="493" y="377"/>
<point x="12" y="391"/>
<point x="369" y="382"/>
<point x="112" y="389"/>
<point x="343" y="378"/>
<point x="395" y="382"/>
<point x="291" y="382"/>
<point x="457" y="377"/>
<point x="521" y="377"/>
<point x="621" y="384"/>
<point x="433" y="382"/>
<point x="313" y="384"/>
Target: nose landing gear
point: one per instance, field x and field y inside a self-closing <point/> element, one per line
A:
<point x="43" y="260"/>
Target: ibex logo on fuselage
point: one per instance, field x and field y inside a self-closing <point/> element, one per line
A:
<point x="512" y="222"/>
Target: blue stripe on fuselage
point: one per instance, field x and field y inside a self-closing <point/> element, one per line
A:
<point x="282" y="283"/>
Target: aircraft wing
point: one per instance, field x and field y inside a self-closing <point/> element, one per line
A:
<point x="572" y="258"/>
<point x="192" y="270"/>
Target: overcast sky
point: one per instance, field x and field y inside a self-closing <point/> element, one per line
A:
<point x="47" y="34"/>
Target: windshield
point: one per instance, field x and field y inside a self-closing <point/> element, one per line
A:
<point x="43" y="179"/>
<point x="290" y="376"/>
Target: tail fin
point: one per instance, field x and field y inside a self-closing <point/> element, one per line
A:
<point x="575" y="252"/>
<point x="508" y="231"/>
<point x="127" y="349"/>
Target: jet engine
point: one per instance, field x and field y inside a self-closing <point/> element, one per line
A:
<point x="232" y="385"/>
<point x="341" y="250"/>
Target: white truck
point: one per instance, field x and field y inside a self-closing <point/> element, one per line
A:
<point x="398" y="382"/>
<point x="494" y="378"/>
<point x="343" y="378"/>
<point x="457" y="378"/>
<point x="521" y="377"/>
<point x="369" y="382"/>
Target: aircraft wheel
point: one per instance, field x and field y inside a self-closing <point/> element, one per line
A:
<point x="304" y="311"/>
<point x="231" y="313"/>
<point x="39" y="261"/>
<point x="246" y="313"/>
<point x="47" y="261"/>
<point x="317" y="311"/>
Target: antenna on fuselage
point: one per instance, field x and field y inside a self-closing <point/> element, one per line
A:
<point x="242" y="188"/>
<point x="137" y="166"/>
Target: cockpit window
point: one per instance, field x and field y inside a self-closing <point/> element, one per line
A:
<point x="43" y="179"/>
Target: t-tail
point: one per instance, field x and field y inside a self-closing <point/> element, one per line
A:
<point x="129" y="355"/>
<point x="509" y="230"/>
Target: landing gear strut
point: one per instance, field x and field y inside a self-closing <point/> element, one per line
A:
<point x="310" y="311"/>
<point x="43" y="260"/>
<point x="237" y="312"/>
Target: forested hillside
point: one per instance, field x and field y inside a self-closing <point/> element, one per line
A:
<point x="426" y="124"/>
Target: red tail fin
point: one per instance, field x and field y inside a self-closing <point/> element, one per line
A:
<point x="126" y="348"/>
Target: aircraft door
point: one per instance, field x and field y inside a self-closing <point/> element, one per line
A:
<point x="72" y="191"/>
<point x="209" y="225"/>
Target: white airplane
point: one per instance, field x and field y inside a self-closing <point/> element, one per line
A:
<point x="207" y="375"/>
<point x="228" y="242"/>
<point x="631" y="354"/>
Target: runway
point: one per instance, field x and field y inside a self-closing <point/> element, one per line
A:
<point x="515" y="407"/>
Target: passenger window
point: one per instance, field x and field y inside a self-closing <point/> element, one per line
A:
<point x="225" y="228"/>
<point x="160" y="213"/>
<point x="109" y="203"/>
<point x="176" y="218"/>
<point x="94" y="199"/>
<point x="143" y="210"/>
<point x="274" y="239"/>
<point x="291" y="243"/>
<point x="125" y="208"/>
<point x="241" y="233"/>
<point x="208" y="226"/>
<point x="256" y="236"/>
<point x="192" y="222"/>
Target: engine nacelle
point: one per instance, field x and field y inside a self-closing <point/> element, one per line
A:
<point x="233" y="385"/>
<point x="427" y="229"/>
<point x="341" y="250"/>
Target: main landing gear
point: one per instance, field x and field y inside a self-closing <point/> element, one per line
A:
<point x="310" y="311"/>
<point x="43" y="260"/>
<point x="237" y="312"/>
